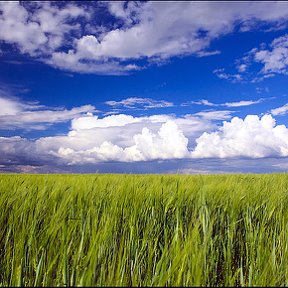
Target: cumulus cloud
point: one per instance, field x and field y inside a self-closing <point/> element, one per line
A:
<point x="168" y="143"/>
<point x="37" y="28"/>
<point x="275" y="59"/>
<point x="17" y="114"/>
<point x="252" y="137"/>
<point x="150" y="31"/>
<point x="127" y="139"/>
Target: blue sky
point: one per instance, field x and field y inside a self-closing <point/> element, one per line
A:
<point x="143" y="87"/>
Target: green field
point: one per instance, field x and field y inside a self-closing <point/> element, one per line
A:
<point x="144" y="230"/>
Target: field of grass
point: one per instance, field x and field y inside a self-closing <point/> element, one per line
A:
<point x="143" y="230"/>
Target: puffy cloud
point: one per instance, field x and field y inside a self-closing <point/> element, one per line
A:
<point x="168" y="143"/>
<point x="177" y="25"/>
<point x="125" y="138"/>
<point x="251" y="137"/>
<point x="152" y="31"/>
<point x="276" y="59"/>
<point x="15" y="28"/>
<point x="128" y="139"/>
<point x="37" y="28"/>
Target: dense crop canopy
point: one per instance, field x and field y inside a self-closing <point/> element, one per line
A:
<point x="152" y="230"/>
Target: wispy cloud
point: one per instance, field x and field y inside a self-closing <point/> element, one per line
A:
<point x="199" y="102"/>
<point x="137" y="103"/>
<point x="220" y="73"/>
<point x="18" y="114"/>
<point x="227" y="104"/>
<point x="207" y="53"/>
<point x="215" y="115"/>
<point x="283" y="110"/>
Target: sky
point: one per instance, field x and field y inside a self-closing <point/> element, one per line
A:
<point x="143" y="87"/>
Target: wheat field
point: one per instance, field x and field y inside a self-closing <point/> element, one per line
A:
<point x="144" y="230"/>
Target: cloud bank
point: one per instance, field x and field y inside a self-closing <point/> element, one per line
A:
<point x="127" y="139"/>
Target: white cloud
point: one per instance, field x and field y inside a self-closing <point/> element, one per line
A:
<point x="275" y="59"/>
<point x="242" y="103"/>
<point x="262" y="90"/>
<point x="261" y="78"/>
<point x="251" y="137"/>
<point x="199" y="102"/>
<point x="140" y="103"/>
<point x="124" y="138"/>
<point x="242" y="67"/>
<point x="167" y="22"/>
<point x="207" y="53"/>
<point x="16" y="28"/>
<point x="90" y="121"/>
<point x="37" y="27"/>
<point x="168" y="143"/>
<point x="15" y="113"/>
<point x="283" y="110"/>
<point x="237" y="77"/>
<point x="152" y="31"/>
<point x="215" y="115"/>
<point x="9" y="107"/>
<point x="227" y="104"/>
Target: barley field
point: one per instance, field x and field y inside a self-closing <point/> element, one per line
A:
<point x="144" y="230"/>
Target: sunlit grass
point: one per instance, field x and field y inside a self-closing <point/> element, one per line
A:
<point x="143" y="230"/>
